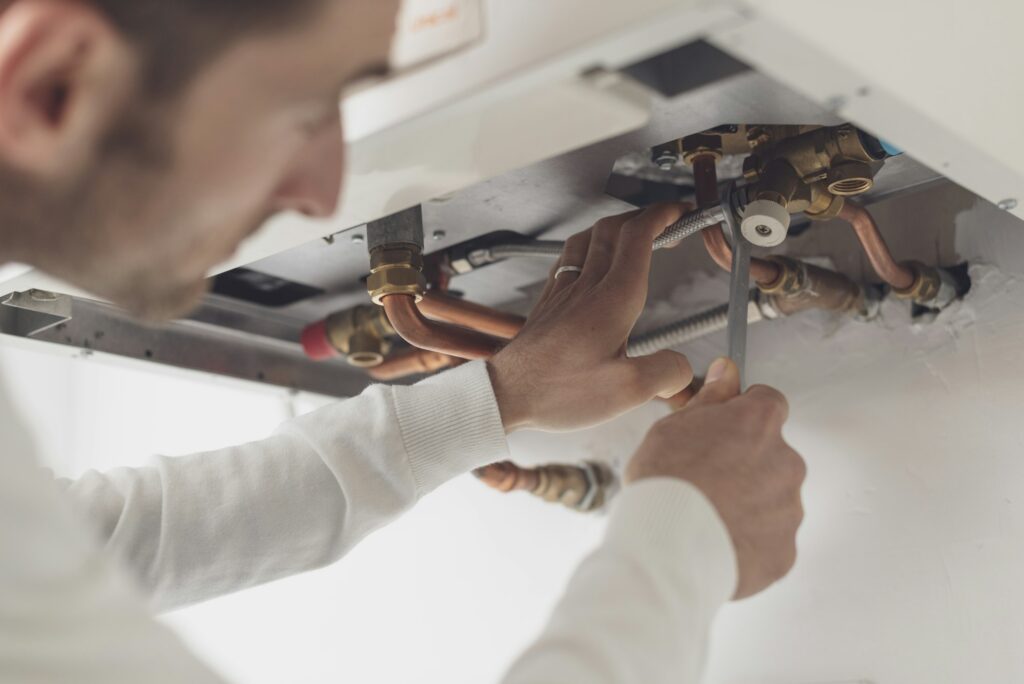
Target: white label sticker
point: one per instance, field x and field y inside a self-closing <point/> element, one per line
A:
<point x="429" y="29"/>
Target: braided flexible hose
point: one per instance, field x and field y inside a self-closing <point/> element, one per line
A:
<point x="688" y="329"/>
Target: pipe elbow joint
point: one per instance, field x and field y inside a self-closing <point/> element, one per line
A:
<point x="932" y="287"/>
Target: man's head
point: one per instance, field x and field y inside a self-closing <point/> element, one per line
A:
<point x="142" y="140"/>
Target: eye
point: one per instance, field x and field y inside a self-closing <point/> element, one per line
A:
<point x="316" y="123"/>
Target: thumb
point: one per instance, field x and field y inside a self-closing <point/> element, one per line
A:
<point x="663" y="374"/>
<point x="722" y="383"/>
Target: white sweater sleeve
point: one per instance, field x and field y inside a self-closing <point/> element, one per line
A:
<point x="67" y="614"/>
<point x="640" y="608"/>
<point x="195" y="527"/>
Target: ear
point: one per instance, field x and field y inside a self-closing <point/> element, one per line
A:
<point x="64" y="72"/>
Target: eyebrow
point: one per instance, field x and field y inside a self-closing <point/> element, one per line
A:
<point x="373" y="70"/>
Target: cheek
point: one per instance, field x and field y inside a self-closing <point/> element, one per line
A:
<point x="220" y="201"/>
<point x="227" y="173"/>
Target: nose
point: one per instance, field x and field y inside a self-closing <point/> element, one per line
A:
<point x="313" y="186"/>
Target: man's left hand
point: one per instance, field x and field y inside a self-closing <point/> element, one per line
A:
<point x="567" y="369"/>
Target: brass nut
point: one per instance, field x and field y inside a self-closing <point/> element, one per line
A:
<point x="790" y="279"/>
<point x="926" y="285"/>
<point x="693" y="146"/>
<point x="396" y="270"/>
<point x="396" y="255"/>
<point x="396" y="280"/>
<point x="689" y="156"/>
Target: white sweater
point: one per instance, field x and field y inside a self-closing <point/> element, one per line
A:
<point x="73" y="600"/>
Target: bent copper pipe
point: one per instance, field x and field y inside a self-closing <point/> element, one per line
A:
<point x="900" y="277"/>
<point x="470" y="315"/>
<point x="706" y="187"/>
<point x="415" y="329"/>
<point x="412" y="362"/>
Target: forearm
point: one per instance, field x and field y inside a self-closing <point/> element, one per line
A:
<point x="640" y="608"/>
<point x="199" y="526"/>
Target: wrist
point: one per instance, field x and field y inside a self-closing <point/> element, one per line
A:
<point x="513" y="402"/>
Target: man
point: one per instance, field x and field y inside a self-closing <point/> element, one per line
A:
<point x="140" y="142"/>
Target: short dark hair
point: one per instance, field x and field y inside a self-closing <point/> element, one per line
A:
<point x="176" y="37"/>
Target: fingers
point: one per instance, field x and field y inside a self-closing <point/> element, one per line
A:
<point x="770" y="402"/>
<point x="573" y="254"/>
<point x="617" y="244"/>
<point x="664" y="374"/>
<point x="721" y="385"/>
<point x="680" y="400"/>
<point x="632" y="262"/>
<point x="605" y="238"/>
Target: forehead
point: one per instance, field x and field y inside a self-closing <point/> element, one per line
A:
<point x="340" y="41"/>
<point x="354" y="34"/>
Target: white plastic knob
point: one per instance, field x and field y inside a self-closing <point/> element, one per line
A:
<point x="765" y="223"/>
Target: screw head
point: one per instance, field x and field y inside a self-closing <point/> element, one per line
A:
<point x="358" y="238"/>
<point x="667" y="160"/>
<point x="1008" y="204"/>
<point x="439" y="235"/>
<point x="763" y="230"/>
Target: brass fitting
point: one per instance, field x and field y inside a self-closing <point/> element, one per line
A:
<point x="811" y="170"/>
<point x="360" y="334"/>
<point x="823" y="205"/>
<point x="693" y="146"/>
<point x="396" y="269"/>
<point x="582" y="487"/>
<point x="927" y="283"/>
<point x="802" y="286"/>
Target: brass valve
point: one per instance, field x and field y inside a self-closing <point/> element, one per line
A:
<point x="812" y="170"/>
<point x="361" y="334"/>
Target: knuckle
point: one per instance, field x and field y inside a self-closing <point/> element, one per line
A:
<point x="768" y="403"/>
<point x="799" y="466"/>
<point x="750" y="413"/>
<point x="683" y="365"/>
<point x="614" y="299"/>
<point x="787" y="560"/>
<point x="657" y="216"/>
<point x="607" y="226"/>
<point x="576" y="242"/>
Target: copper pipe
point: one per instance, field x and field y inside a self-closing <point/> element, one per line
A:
<point x="508" y="477"/>
<point x="412" y="362"/>
<point x="582" y="487"/>
<point x="415" y="329"/>
<point x="470" y="315"/>
<point x="900" y="277"/>
<point x="705" y="176"/>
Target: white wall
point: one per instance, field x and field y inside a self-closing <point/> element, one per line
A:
<point x="913" y="548"/>
<point x="911" y="554"/>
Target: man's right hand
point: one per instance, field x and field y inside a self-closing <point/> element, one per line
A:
<point x="730" y="446"/>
